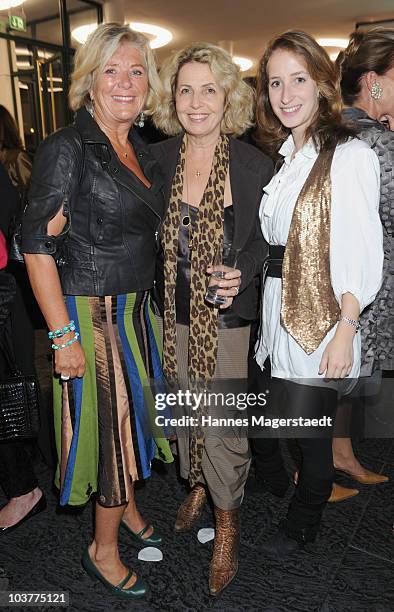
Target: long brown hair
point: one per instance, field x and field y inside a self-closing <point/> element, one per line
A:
<point x="368" y="50"/>
<point x="327" y="128"/>
<point x="9" y="135"/>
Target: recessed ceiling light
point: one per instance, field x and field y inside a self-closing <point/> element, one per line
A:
<point x="161" y="36"/>
<point x="244" y="63"/>
<point x="334" y="55"/>
<point x="81" y="33"/>
<point x="342" y="43"/>
<point x="7" y="4"/>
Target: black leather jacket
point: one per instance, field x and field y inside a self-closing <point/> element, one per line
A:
<point x="109" y="243"/>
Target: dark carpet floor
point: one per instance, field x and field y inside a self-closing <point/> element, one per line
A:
<point x="350" y="567"/>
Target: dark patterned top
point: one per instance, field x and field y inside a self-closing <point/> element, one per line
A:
<point x="377" y="320"/>
<point x="227" y="318"/>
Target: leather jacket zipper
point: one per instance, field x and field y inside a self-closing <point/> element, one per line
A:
<point x="138" y="196"/>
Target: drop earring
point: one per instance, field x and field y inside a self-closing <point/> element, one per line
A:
<point x="141" y="120"/>
<point x="376" y="91"/>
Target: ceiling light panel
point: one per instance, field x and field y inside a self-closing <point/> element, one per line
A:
<point x="81" y="33"/>
<point x="244" y="63"/>
<point x="158" y="36"/>
<point x="342" y="43"/>
<point x="161" y="36"/>
<point x="334" y="55"/>
<point x="7" y="4"/>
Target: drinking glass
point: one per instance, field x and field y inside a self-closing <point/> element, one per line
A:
<point x="223" y="259"/>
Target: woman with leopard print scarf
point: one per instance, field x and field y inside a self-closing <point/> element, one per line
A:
<point x="214" y="186"/>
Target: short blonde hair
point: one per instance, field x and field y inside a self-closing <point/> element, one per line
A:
<point x="91" y="58"/>
<point x="239" y="101"/>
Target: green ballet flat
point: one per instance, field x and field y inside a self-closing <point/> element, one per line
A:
<point x="139" y="588"/>
<point x="153" y="540"/>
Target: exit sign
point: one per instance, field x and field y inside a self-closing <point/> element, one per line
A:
<point x="16" y="22"/>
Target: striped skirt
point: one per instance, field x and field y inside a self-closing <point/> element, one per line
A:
<point x="105" y="429"/>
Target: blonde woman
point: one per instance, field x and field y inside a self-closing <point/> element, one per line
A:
<point x="213" y="183"/>
<point x="95" y="206"/>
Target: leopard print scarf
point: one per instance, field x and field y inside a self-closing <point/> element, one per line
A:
<point x="207" y="238"/>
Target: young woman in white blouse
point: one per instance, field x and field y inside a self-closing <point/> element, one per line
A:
<point x="320" y="217"/>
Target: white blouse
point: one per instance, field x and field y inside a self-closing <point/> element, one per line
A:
<point x="356" y="249"/>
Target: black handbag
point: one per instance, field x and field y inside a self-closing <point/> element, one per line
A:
<point x="19" y="398"/>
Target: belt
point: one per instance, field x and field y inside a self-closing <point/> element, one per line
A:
<point x="273" y="263"/>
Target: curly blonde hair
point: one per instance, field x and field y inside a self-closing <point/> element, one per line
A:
<point x="91" y="58"/>
<point x="327" y="128"/>
<point x="239" y="96"/>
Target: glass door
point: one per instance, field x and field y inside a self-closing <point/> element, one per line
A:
<point x="40" y="80"/>
<point x="35" y="64"/>
<point x="49" y="75"/>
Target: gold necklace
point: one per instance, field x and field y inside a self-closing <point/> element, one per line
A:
<point x="124" y="154"/>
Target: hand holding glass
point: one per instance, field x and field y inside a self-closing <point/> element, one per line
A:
<point x="220" y="266"/>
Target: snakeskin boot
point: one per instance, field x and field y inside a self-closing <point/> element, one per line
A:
<point x="224" y="563"/>
<point x="190" y="510"/>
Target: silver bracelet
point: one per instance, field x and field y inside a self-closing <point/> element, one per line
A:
<point x="351" y="322"/>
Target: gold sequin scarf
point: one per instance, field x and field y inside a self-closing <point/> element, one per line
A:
<point x="309" y="308"/>
<point x="207" y="239"/>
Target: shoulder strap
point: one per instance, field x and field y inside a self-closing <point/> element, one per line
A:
<point x="6" y="347"/>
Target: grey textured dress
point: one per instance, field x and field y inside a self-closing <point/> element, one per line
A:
<point x="377" y="320"/>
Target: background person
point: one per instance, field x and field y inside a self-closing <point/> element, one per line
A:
<point x="17" y="476"/>
<point x="214" y="184"/>
<point x="12" y="155"/>
<point x="95" y="204"/>
<point x="366" y="70"/>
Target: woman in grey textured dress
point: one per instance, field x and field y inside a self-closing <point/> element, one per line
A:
<point x="367" y="83"/>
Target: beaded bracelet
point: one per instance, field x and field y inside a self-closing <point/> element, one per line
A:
<point x="56" y="347"/>
<point x="349" y="321"/>
<point x="59" y="333"/>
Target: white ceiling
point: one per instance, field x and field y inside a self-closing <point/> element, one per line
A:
<point x="251" y="23"/>
<point x="247" y="23"/>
